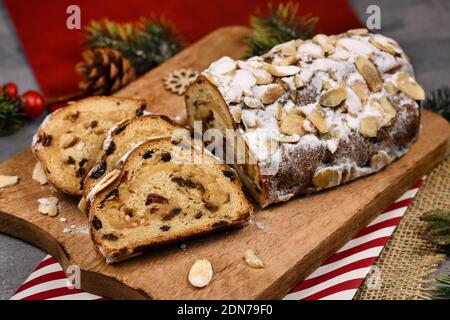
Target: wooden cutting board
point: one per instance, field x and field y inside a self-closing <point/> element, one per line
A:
<point x="298" y="235"/>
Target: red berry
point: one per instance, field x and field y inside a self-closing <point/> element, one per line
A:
<point x="33" y="104"/>
<point x="11" y="90"/>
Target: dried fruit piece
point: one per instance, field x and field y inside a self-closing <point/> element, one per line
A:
<point x="48" y="206"/>
<point x="39" y="174"/>
<point x="370" y="73"/>
<point x="380" y="160"/>
<point x="292" y="124"/>
<point x="383" y="44"/>
<point x="252" y="260"/>
<point x="369" y="126"/>
<point x="409" y="86"/>
<point x="317" y="120"/>
<point x="201" y="273"/>
<point x="361" y="90"/>
<point x="333" y="97"/>
<point x="327" y="178"/>
<point x="281" y="71"/>
<point x="272" y="93"/>
<point x="8" y="181"/>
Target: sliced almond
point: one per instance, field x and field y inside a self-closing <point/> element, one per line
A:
<point x="390" y="88"/>
<point x="327" y="178"/>
<point x="289" y="48"/>
<point x="298" y="81"/>
<point x="285" y="61"/>
<point x="370" y="73"/>
<point x="380" y="160"/>
<point x="326" y="85"/>
<point x="358" y="31"/>
<point x="83" y="206"/>
<point x="370" y="125"/>
<point x="387" y="106"/>
<point x="361" y="90"/>
<point x="317" y="120"/>
<point x="8" y="181"/>
<point x="333" y="97"/>
<point x="382" y="43"/>
<point x="309" y="127"/>
<point x="410" y="87"/>
<point x="262" y="76"/>
<point x="279" y="111"/>
<point x="252" y="103"/>
<point x="252" y="260"/>
<point x="39" y="174"/>
<point x="212" y="79"/>
<point x="223" y="66"/>
<point x="292" y="124"/>
<point x="48" y="206"/>
<point x="287" y="139"/>
<point x="201" y="273"/>
<point x="327" y="48"/>
<point x="320" y="38"/>
<point x="281" y="71"/>
<point x="272" y="93"/>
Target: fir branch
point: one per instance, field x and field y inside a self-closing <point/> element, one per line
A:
<point x="441" y="289"/>
<point x="439" y="102"/>
<point x="280" y="25"/>
<point x="146" y="43"/>
<point x="438" y="228"/>
<point x="11" y="117"/>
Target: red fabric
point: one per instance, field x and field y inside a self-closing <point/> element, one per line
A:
<point x="53" y="50"/>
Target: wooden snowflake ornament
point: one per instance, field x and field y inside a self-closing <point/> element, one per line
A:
<point x="178" y="80"/>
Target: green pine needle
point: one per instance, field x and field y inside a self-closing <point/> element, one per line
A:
<point x="282" y="24"/>
<point x="439" y="102"/>
<point x="146" y="43"/>
<point x="441" y="290"/>
<point x="438" y="227"/>
<point x="11" y="117"/>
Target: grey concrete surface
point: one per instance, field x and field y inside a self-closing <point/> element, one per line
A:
<point x="421" y="27"/>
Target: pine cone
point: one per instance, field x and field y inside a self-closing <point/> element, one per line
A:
<point x="104" y="71"/>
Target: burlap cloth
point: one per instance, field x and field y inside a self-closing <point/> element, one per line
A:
<point x="403" y="269"/>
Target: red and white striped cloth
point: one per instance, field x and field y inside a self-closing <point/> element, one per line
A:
<point x="338" y="278"/>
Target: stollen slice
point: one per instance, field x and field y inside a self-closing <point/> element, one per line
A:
<point x="69" y="140"/>
<point x="160" y="196"/>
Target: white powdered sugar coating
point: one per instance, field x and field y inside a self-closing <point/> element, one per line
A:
<point x="310" y="69"/>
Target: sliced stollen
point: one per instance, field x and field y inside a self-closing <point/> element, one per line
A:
<point x="159" y="196"/>
<point x="69" y="140"/>
<point x="313" y="114"/>
<point x="121" y="138"/>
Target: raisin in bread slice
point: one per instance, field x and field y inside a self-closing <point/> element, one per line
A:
<point x="121" y="138"/>
<point x="69" y="140"/>
<point x="157" y="198"/>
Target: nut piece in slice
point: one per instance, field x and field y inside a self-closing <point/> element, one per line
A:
<point x="252" y="260"/>
<point x="48" y="206"/>
<point x="292" y="124"/>
<point x="39" y="174"/>
<point x="333" y="97"/>
<point x="369" y="126"/>
<point x="410" y="87"/>
<point x="201" y="273"/>
<point x="327" y="178"/>
<point x="370" y="73"/>
<point x="8" y="181"/>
